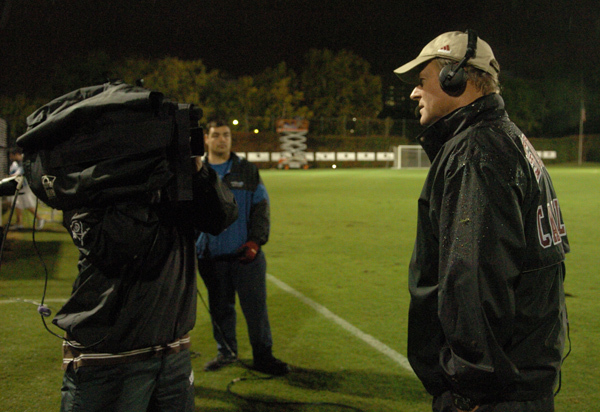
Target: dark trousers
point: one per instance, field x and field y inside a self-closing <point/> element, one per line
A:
<point x="443" y="403"/>
<point x="225" y="278"/>
<point x="164" y="384"/>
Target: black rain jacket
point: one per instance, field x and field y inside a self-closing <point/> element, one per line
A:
<point x="487" y="317"/>
<point x="136" y="286"/>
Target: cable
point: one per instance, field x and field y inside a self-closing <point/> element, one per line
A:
<point x="288" y="403"/>
<point x="564" y="358"/>
<point x="19" y="180"/>
<point x="216" y="325"/>
<point x="44" y="310"/>
<point x="261" y="378"/>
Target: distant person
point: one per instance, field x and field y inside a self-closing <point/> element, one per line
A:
<point x="26" y="199"/>
<point x="487" y="318"/>
<point x="233" y="261"/>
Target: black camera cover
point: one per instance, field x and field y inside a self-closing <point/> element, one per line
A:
<point x="108" y="143"/>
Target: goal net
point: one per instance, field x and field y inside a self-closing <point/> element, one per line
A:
<point x="410" y="157"/>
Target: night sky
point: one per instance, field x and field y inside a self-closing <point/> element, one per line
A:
<point x="244" y="37"/>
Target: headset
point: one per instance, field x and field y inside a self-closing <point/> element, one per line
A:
<point x="453" y="77"/>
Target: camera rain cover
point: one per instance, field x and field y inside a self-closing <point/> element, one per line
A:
<point x="107" y="143"/>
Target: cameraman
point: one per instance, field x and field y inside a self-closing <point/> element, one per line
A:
<point x="134" y="301"/>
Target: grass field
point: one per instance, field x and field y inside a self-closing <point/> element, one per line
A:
<point x="340" y="245"/>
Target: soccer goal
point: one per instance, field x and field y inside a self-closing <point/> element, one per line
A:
<point x="410" y="157"/>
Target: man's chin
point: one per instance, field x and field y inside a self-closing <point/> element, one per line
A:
<point x="426" y="120"/>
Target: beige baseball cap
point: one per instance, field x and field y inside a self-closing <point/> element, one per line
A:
<point x="453" y="46"/>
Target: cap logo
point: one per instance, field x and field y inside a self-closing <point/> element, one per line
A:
<point x="445" y="49"/>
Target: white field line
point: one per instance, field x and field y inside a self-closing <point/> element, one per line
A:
<point x="16" y="300"/>
<point x="370" y="340"/>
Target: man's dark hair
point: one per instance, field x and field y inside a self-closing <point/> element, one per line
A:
<point x="15" y="150"/>
<point x="217" y="122"/>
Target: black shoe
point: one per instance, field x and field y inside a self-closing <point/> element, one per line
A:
<point x="271" y="366"/>
<point x="218" y="362"/>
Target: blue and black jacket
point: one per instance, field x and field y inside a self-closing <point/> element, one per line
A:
<point x="253" y="222"/>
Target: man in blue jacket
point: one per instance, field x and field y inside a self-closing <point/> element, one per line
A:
<point x="487" y="318"/>
<point x="234" y="262"/>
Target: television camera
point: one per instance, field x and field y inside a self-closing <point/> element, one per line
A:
<point x="111" y="142"/>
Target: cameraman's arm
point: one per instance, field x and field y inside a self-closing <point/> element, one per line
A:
<point x="214" y="206"/>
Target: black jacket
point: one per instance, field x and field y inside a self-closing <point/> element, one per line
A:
<point x="487" y="318"/>
<point x="137" y="277"/>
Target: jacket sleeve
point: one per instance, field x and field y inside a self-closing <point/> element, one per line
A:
<point x="482" y="240"/>
<point x="259" y="223"/>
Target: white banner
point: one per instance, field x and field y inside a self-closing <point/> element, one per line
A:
<point x="258" y="156"/>
<point x="385" y="156"/>
<point x="365" y="156"/>
<point x="346" y="156"/>
<point x="326" y="156"/>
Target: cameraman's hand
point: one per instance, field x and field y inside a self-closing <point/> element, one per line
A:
<point x="198" y="162"/>
<point x="247" y="252"/>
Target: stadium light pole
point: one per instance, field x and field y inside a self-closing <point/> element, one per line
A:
<point x="581" y="121"/>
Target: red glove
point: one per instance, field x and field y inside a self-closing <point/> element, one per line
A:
<point x="247" y="252"/>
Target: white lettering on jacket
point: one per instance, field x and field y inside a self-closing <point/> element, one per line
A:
<point x="557" y="228"/>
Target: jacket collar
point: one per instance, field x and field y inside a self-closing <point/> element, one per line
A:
<point x="436" y="135"/>
<point x="233" y="158"/>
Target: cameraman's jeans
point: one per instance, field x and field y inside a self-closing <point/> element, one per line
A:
<point x="162" y="384"/>
<point x="223" y="278"/>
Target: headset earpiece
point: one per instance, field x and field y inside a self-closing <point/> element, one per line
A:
<point x="453" y="77"/>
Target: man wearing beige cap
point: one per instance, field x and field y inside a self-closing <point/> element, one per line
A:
<point x="487" y="319"/>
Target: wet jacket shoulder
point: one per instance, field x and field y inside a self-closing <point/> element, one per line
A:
<point x="482" y="248"/>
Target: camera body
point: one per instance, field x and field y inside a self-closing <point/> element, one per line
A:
<point x="111" y="142"/>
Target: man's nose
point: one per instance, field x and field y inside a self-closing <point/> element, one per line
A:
<point x="415" y="94"/>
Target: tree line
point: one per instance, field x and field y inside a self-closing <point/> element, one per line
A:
<point x="330" y="84"/>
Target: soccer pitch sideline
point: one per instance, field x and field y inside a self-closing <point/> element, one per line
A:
<point x="338" y="260"/>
